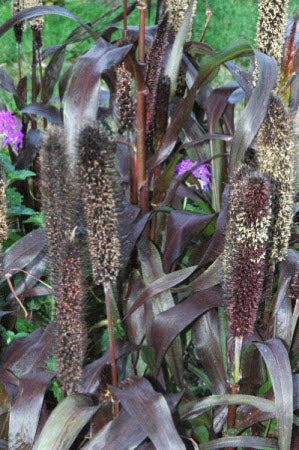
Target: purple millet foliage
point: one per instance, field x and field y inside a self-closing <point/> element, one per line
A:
<point x="245" y="248"/>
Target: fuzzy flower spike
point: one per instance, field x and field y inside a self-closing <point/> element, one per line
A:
<point x="10" y="130"/>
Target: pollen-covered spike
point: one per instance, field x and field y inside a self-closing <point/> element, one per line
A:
<point x="270" y="30"/>
<point x="177" y="10"/>
<point x="55" y="196"/>
<point x="154" y="59"/>
<point x="275" y="154"/>
<point x="36" y="23"/>
<point x="70" y="326"/>
<point x="246" y="244"/>
<point x="124" y="102"/>
<point x="17" y="6"/>
<point x="99" y="200"/>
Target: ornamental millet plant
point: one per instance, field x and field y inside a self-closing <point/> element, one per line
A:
<point x="60" y="211"/>
<point x="275" y="138"/>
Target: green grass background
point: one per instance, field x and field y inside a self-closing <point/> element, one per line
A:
<point x="231" y="19"/>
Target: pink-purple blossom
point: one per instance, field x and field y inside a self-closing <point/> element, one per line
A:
<point x="201" y="172"/>
<point x="10" y="130"/>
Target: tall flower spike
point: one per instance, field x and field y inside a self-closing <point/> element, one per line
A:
<point x="17" y="6"/>
<point x="247" y="239"/>
<point x="124" y="102"/>
<point x="177" y="10"/>
<point x="99" y="202"/>
<point x="276" y="150"/>
<point x="55" y="200"/>
<point x="154" y="60"/>
<point x="270" y="31"/>
<point x="69" y="317"/>
<point x="36" y="23"/>
<point x="60" y="210"/>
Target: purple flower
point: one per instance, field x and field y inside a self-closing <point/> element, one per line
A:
<point x="201" y="172"/>
<point x="10" y="130"/>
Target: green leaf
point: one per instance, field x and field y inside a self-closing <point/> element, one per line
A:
<point x="11" y="173"/>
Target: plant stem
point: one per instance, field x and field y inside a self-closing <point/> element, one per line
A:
<point x="222" y="322"/>
<point x="231" y="417"/>
<point x="140" y="115"/>
<point x="111" y="343"/>
<point x="19" y="61"/>
<point x="41" y="83"/>
<point x="33" y="79"/>
<point x="125" y="20"/>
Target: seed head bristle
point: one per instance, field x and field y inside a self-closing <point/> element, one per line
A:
<point x="247" y="238"/>
<point x="99" y="200"/>
<point x="71" y="330"/>
<point x="36" y="23"/>
<point x="177" y="10"/>
<point x="124" y="102"/>
<point x="17" y="6"/>
<point x="276" y="149"/>
<point x="154" y="59"/>
<point x="270" y="30"/>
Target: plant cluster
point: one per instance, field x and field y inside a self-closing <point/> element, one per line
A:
<point x="150" y="259"/>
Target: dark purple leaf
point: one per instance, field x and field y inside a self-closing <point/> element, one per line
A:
<point x="243" y="78"/>
<point x="63" y="82"/>
<point x="277" y="361"/>
<point x="135" y="324"/>
<point x="83" y="94"/>
<point x="49" y="51"/>
<point x="206" y="340"/>
<point x="29" y="13"/>
<point x="149" y="408"/>
<point x="212" y="276"/>
<point x="167" y="325"/>
<point x="195" y="408"/>
<point x="206" y="137"/>
<point x="27" y="282"/>
<point x="124" y="430"/>
<point x="182" y="227"/>
<point x="216" y="244"/>
<point x="30" y="352"/>
<point x="25" y="413"/>
<point x="287" y="271"/>
<point x="24" y="251"/>
<point x="255" y="111"/>
<point x="92" y="371"/>
<point x="3" y="313"/>
<point x="161" y="284"/>
<point x="37" y="291"/>
<point x="21" y="97"/>
<point x="240" y="441"/>
<point x="52" y="73"/>
<point x="48" y="111"/>
<point x="216" y="105"/>
<point x="10" y="382"/>
<point x="31" y="145"/>
<point x="296" y="390"/>
<point x="152" y="270"/>
<point x="182" y="112"/>
<point x="6" y="82"/>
